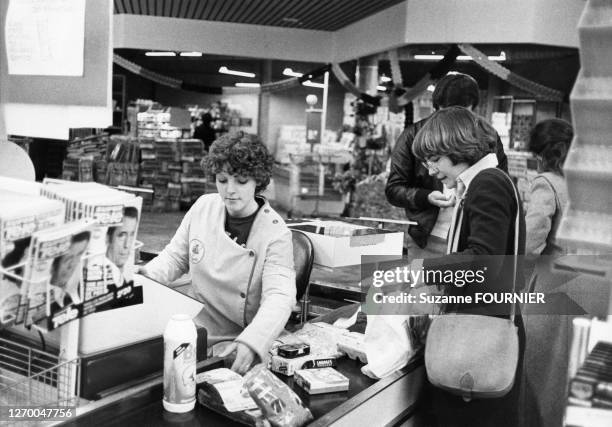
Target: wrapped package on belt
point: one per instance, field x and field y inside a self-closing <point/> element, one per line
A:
<point x="279" y="404"/>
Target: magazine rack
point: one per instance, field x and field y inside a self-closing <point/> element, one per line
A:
<point x="33" y="377"/>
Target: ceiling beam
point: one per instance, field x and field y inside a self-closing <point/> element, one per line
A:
<point x="411" y="22"/>
<point x="222" y="38"/>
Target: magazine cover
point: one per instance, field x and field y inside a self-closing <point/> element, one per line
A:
<point x="54" y="270"/>
<point x="20" y="217"/>
<point x="108" y="265"/>
<point x="10" y="299"/>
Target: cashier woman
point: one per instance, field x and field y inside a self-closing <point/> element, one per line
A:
<point x="239" y="253"/>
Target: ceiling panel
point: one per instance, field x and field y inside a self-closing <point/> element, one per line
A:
<point x="325" y="15"/>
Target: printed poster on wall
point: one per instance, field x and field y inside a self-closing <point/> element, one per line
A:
<point x="45" y="37"/>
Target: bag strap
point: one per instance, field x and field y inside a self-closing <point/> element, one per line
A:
<point x="554" y="190"/>
<point x="516" y="245"/>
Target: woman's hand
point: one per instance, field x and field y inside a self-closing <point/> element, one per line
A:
<point x="245" y="357"/>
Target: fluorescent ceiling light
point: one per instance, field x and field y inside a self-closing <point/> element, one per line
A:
<point x="385" y="79"/>
<point x="160" y="54"/>
<point x="191" y="54"/>
<point x="289" y="72"/>
<point x="501" y="57"/>
<point x="381" y="88"/>
<point x="247" y="84"/>
<point x="225" y="70"/>
<point x="312" y="84"/>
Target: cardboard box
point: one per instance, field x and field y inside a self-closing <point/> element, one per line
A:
<point x="338" y="244"/>
<point x="323" y="380"/>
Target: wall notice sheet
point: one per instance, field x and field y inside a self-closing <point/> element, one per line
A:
<point x="45" y="37"/>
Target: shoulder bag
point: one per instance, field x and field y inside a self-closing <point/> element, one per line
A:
<point x="475" y="356"/>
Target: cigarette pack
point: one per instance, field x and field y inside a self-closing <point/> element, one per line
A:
<point x="322" y="380"/>
<point x="288" y="367"/>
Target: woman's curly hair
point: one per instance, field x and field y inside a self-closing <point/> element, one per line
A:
<point x="457" y="133"/>
<point x="240" y="154"/>
<point x="551" y="140"/>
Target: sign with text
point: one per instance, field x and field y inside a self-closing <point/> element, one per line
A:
<point x="45" y="37"/>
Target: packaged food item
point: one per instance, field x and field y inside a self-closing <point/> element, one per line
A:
<point x="180" y="339"/>
<point x="321" y="337"/>
<point x="279" y="404"/>
<point x="226" y="387"/>
<point x="288" y="367"/>
<point x="323" y="380"/>
<point x="289" y="351"/>
<point x="352" y="344"/>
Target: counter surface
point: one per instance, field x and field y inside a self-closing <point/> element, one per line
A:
<point x="144" y="407"/>
<point x="392" y="399"/>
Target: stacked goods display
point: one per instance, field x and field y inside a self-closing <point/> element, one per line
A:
<point x="21" y="216"/>
<point x="171" y="167"/>
<point x="166" y="185"/>
<point x="86" y="159"/>
<point x="122" y="157"/>
<point x="592" y="384"/>
<point x="156" y="124"/>
<point x="193" y="180"/>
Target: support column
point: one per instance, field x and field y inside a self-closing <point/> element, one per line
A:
<point x="263" y="128"/>
<point x="367" y="75"/>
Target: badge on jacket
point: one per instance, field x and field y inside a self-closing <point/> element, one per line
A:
<point x="196" y="251"/>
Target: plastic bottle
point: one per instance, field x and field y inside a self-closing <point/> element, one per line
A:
<point x="179" y="364"/>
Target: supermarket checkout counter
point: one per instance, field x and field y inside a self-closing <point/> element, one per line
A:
<point x="388" y="401"/>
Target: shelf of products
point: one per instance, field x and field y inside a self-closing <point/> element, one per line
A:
<point x="590" y="375"/>
<point x="171" y="167"/>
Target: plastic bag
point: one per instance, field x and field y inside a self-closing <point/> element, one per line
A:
<point x="278" y="403"/>
<point x="387" y="345"/>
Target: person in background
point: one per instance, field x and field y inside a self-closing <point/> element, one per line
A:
<point x="204" y="131"/>
<point x="239" y="253"/>
<point x="455" y="147"/>
<point x="548" y="337"/>
<point x="549" y="141"/>
<point x="411" y="187"/>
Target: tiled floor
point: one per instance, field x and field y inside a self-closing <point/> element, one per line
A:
<point x="157" y="228"/>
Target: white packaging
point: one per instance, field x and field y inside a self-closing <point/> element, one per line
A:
<point x="180" y="364"/>
<point x="322" y="380"/>
<point x="338" y="244"/>
<point x="352" y="344"/>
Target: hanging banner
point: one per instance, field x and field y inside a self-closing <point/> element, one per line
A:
<point x="541" y="91"/>
<point x="396" y="72"/>
<point x="402" y="96"/>
<point x="344" y="80"/>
